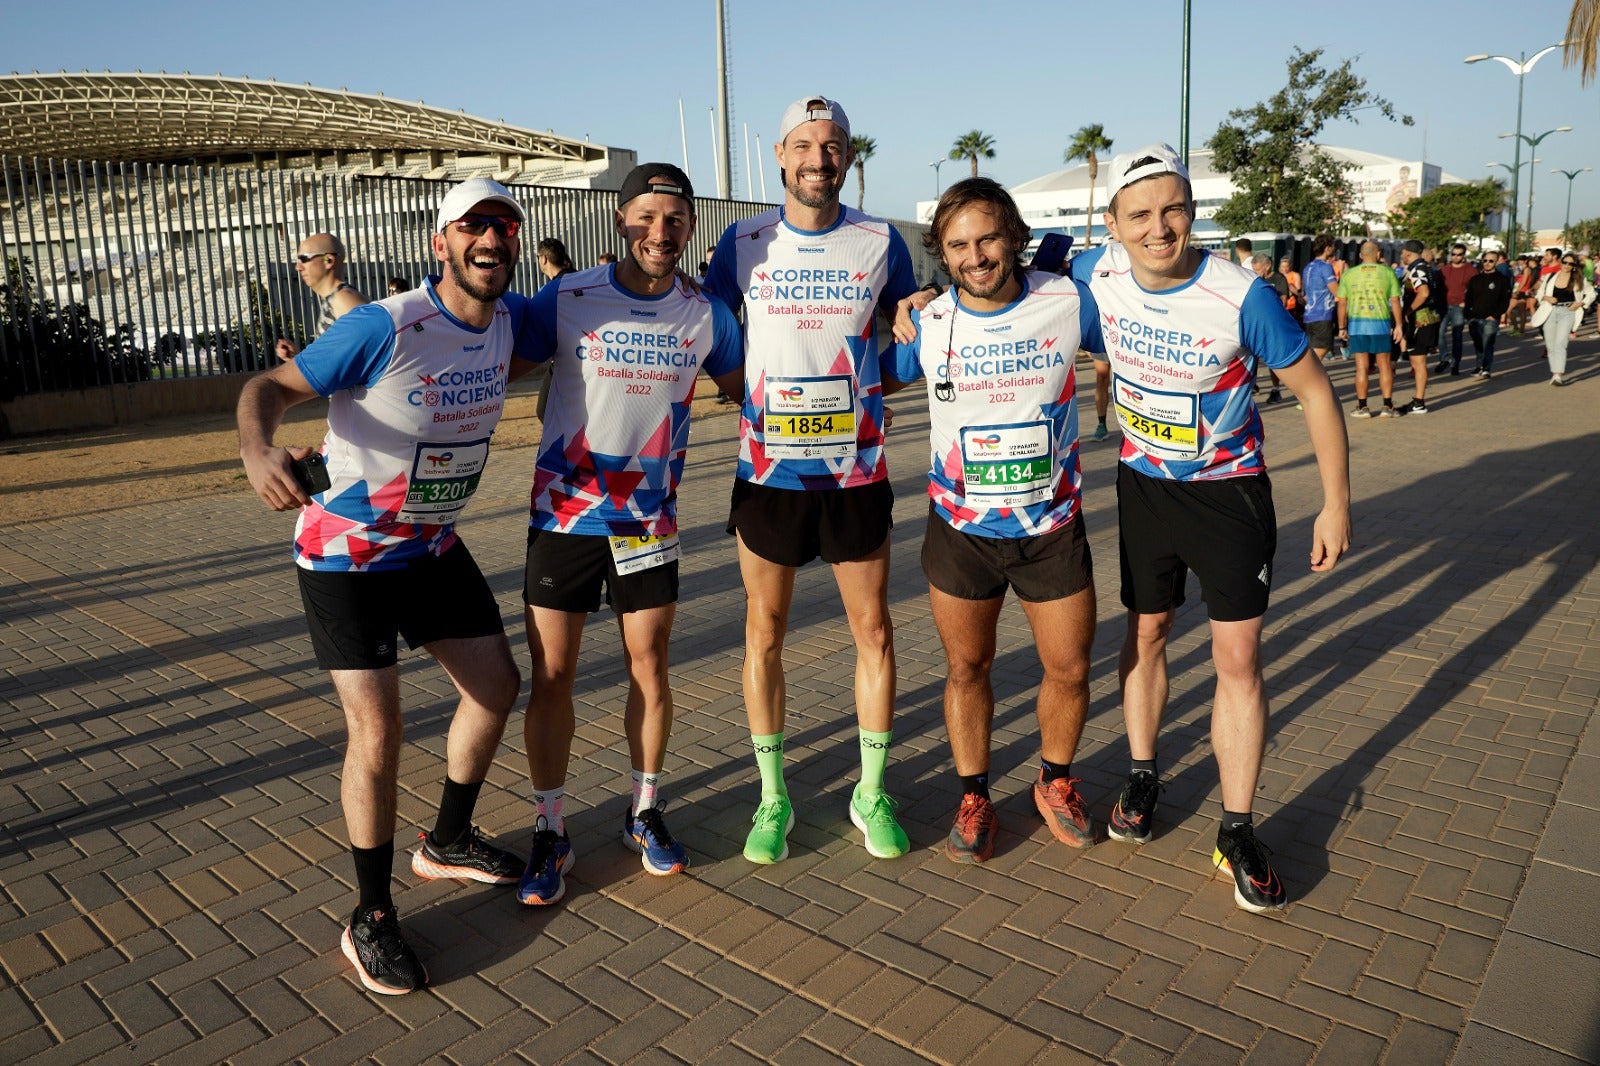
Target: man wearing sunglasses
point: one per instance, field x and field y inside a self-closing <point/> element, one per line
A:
<point x="320" y="263"/>
<point x="812" y="478"/>
<point x="625" y="343"/>
<point x="1457" y="272"/>
<point x="415" y="386"/>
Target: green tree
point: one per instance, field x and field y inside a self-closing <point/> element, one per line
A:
<point x="1438" y="217"/>
<point x="46" y="347"/>
<point x="862" y="148"/>
<point x="973" y="145"/>
<point x="1585" y="234"/>
<point x="1285" y="182"/>
<point x="1087" y="144"/>
<point x="1583" y="38"/>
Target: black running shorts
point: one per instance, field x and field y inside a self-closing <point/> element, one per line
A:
<point x="356" y="616"/>
<point x="567" y="571"/>
<point x="1226" y="531"/>
<point x="1320" y="334"/>
<point x="791" y="527"/>
<point x="1040" y="569"/>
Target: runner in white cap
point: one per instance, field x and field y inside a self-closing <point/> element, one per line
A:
<point x="415" y="386"/>
<point x="1184" y="330"/>
<point x="812" y="276"/>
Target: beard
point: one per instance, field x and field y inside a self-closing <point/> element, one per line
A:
<point x="809" y="195"/>
<point x="996" y="284"/>
<point x="465" y="280"/>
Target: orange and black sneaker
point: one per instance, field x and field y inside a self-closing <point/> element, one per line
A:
<point x="1133" y="818"/>
<point x="972" y="837"/>
<point x="1064" y="811"/>
<point x="1256" y="887"/>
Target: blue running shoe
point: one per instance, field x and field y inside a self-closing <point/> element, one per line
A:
<point x="551" y="857"/>
<point x="647" y="834"/>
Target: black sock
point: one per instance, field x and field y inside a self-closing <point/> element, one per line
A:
<point x="374" y="868"/>
<point x="975" y="785"/>
<point x="455" y="812"/>
<point x="1232" y="821"/>
<point x="1050" y="771"/>
<point x="1143" y="766"/>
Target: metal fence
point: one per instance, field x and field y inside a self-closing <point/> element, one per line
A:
<point x="123" y="272"/>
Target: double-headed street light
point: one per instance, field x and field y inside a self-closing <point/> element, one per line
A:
<point x="936" y="164"/>
<point x="1507" y="166"/>
<point x="1520" y="67"/>
<point x="1566" y="223"/>
<point x="1533" y="146"/>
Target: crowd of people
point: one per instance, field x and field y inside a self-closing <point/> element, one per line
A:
<point x="1418" y="306"/>
<point x="416" y="384"/>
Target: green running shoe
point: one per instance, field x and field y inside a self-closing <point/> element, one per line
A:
<point x="768" y="841"/>
<point x="874" y="816"/>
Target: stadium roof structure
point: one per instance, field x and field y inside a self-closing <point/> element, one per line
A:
<point x="181" y="118"/>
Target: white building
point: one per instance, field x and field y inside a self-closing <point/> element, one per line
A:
<point x="1057" y="202"/>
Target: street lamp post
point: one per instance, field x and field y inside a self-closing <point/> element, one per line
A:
<point x="936" y="164"/>
<point x="1566" y="223"/>
<point x="1506" y="251"/>
<point x="1520" y="67"/>
<point x="1533" y="146"/>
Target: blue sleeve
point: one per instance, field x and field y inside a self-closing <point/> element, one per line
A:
<point x="1082" y="265"/>
<point x="1268" y="330"/>
<point x="352" y="353"/>
<point x="719" y="276"/>
<point x="536" y="332"/>
<point x="902" y="279"/>
<point x="1089" y="320"/>
<point x="727" y="341"/>
<point x="903" y="362"/>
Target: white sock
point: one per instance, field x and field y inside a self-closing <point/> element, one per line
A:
<point x="644" y="790"/>
<point x="547" y="803"/>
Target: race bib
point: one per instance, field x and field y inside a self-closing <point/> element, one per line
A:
<point x="810" y="418"/>
<point x="443" y="479"/>
<point x="1166" y="423"/>
<point x="633" y="554"/>
<point x="1007" y="466"/>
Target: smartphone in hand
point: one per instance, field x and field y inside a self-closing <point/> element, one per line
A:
<point x="1052" y="253"/>
<point x="311" y="473"/>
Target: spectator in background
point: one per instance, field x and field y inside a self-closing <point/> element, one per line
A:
<point x="320" y="263"/>
<point x="1457" y="272"/>
<point x="1488" y="296"/>
<point x="398" y="286"/>
<point x="605" y="259"/>
<point x="553" y="263"/>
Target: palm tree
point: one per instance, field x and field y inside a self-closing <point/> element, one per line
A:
<point x="862" y="148"/>
<point x="973" y="145"/>
<point x="1087" y="144"/>
<point x="1583" y="35"/>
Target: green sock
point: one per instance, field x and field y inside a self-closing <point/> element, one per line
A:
<point x="874" y="757"/>
<point x="769" y="757"/>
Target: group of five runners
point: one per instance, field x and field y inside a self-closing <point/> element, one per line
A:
<point x="416" y="384"/>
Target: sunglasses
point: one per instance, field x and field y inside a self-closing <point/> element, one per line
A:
<point x="306" y="257"/>
<point x="477" y="225"/>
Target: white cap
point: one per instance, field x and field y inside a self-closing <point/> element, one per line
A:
<point x="805" y="110"/>
<point x="1147" y="162"/>
<point x="469" y="194"/>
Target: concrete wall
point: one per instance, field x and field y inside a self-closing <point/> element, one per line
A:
<point x="112" y="405"/>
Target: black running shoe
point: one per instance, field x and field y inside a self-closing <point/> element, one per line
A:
<point x="383" y="960"/>
<point x="1255" y="887"/>
<point x="1133" y="818"/>
<point x="470" y="858"/>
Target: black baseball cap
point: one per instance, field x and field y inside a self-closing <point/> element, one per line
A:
<point x="656" y="177"/>
<point x="1413" y="246"/>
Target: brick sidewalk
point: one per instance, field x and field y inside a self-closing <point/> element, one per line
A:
<point x="173" y="876"/>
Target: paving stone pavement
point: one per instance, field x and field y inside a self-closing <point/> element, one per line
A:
<point x="173" y="876"/>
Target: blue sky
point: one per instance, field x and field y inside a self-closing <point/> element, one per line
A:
<point x="912" y="76"/>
